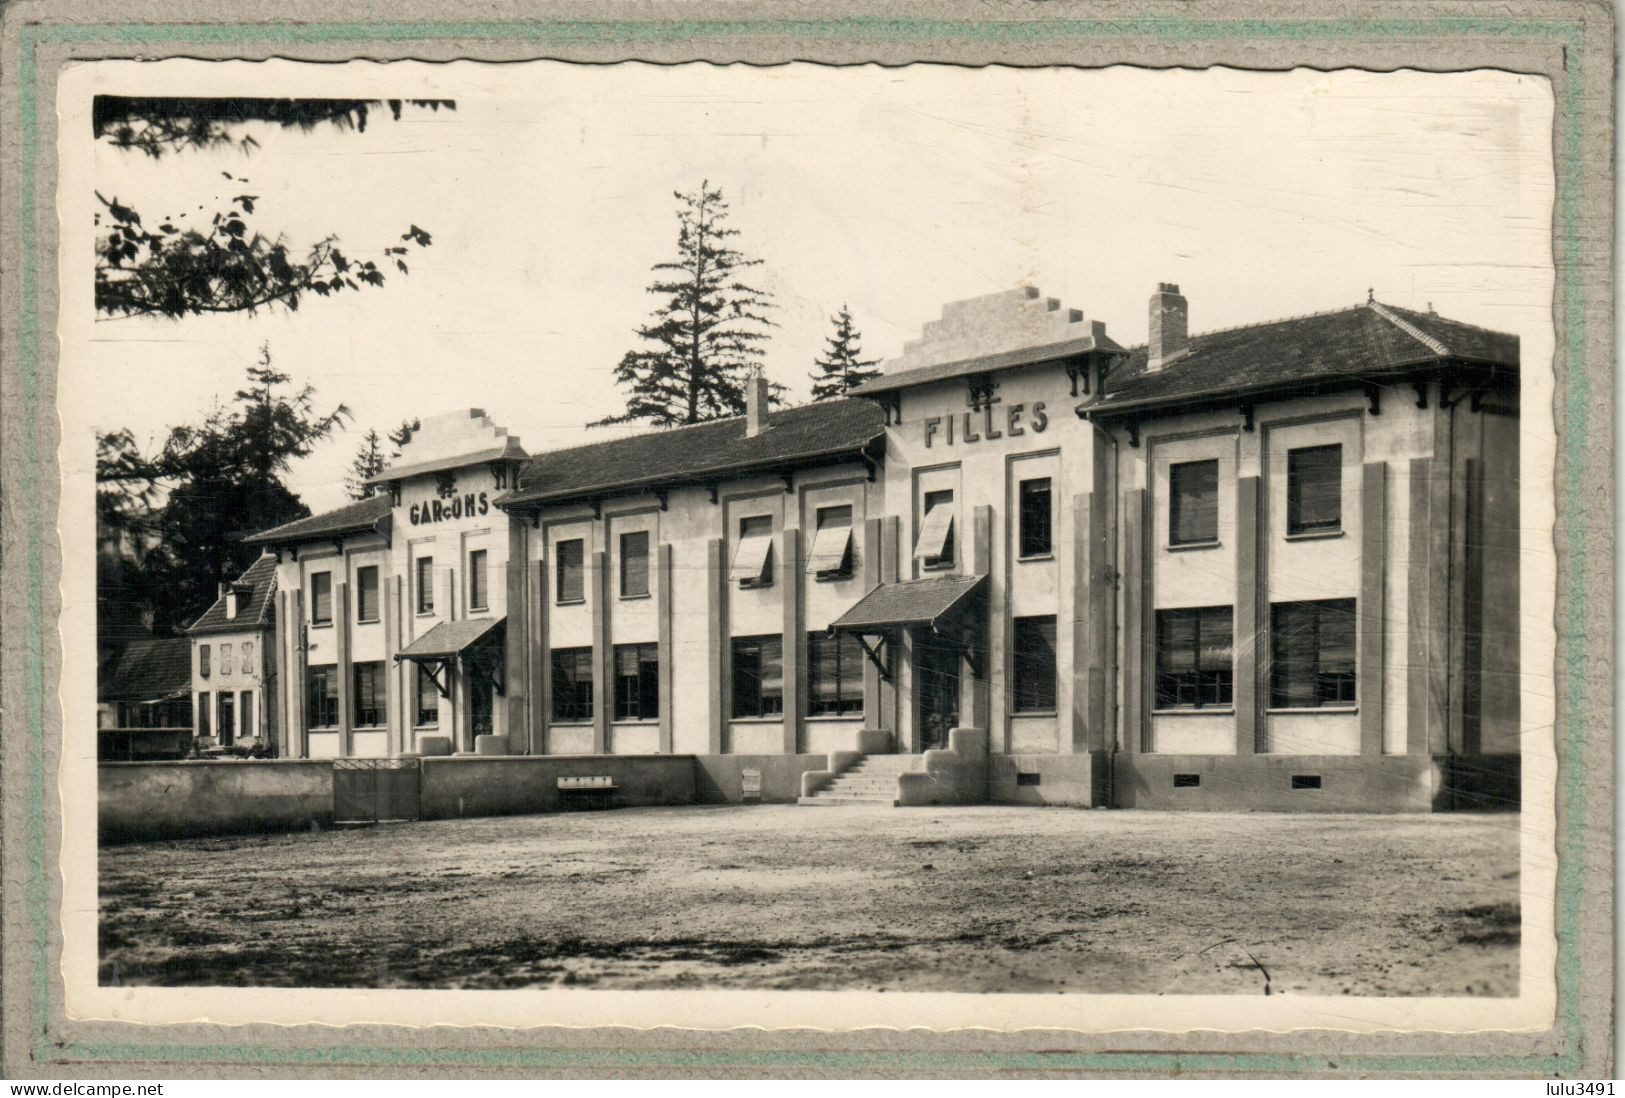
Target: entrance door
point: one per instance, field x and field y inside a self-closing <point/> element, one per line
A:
<point x="479" y="702"/>
<point x="936" y="671"/>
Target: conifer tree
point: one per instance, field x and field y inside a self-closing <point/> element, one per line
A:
<point x="369" y="462"/>
<point x="708" y="333"/>
<point x="842" y="365"/>
<point x="401" y="435"/>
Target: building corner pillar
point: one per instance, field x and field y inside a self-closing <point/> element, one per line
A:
<point x="1373" y="604"/>
<point x="663" y="576"/>
<point x="603" y="656"/>
<point x="1251" y="635"/>
<point x="795" y="641"/>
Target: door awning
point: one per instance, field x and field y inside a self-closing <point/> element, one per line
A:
<point x="454" y="638"/>
<point x="921" y="602"/>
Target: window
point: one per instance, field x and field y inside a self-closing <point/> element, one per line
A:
<point x="479" y="592"/>
<point x="572" y="684"/>
<point x="758" y="669"/>
<point x="834" y="675"/>
<point x="1194" y="657"/>
<point x="1035" y="664"/>
<point x="637" y="682"/>
<point x="225" y="659"/>
<point x="248" y="657"/>
<point x="831" y="556"/>
<point x="204" y="716"/>
<point x="322" y="697"/>
<point x="245" y="714"/>
<point x="753" y="558"/>
<point x="935" y="546"/>
<point x="428" y="709"/>
<point x="1193" y="503"/>
<point x="1035" y="534"/>
<point x="226" y="702"/>
<point x="321" y="598"/>
<point x="570" y="582"/>
<point x="635" y="564"/>
<point x="1314" y="490"/>
<point x="203" y="660"/>
<point x="366" y="593"/>
<point x="425" y="582"/>
<point x="1312" y="654"/>
<point x="369" y="704"/>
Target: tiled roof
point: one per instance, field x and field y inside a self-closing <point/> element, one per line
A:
<point x="1365" y="341"/>
<point x="911" y="602"/>
<point x="686" y="455"/>
<point x="362" y="515"/>
<point x="254" y="611"/>
<point x="450" y="637"/>
<point x="147" y="671"/>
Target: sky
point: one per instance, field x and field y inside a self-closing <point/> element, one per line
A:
<point x="549" y="194"/>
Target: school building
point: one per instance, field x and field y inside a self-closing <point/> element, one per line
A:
<point x="1271" y="567"/>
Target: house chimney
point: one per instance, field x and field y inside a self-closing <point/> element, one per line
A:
<point x="755" y="404"/>
<point x="231" y="602"/>
<point x="1169" y="336"/>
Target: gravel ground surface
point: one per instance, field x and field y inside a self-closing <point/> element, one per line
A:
<point x="961" y="899"/>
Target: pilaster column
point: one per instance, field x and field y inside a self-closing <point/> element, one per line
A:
<point x="1373" y="598"/>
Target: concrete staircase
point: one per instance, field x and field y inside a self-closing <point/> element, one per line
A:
<point x="870" y="780"/>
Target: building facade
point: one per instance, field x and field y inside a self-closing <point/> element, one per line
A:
<point x="1270" y="567"/>
<point x="233" y="680"/>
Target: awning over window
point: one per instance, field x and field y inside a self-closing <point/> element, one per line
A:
<point x="830" y="547"/>
<point x="750" y="559"/>
<point x="925" y="602"/>
<point x="934" y="532"/>
<point x="454" y="638"/>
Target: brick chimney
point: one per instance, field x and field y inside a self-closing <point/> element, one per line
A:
<point x="229" y="592"/>
<point x="755" y="404"/>
<point x="1169" y="337"/>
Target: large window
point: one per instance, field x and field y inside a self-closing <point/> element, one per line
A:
<point x="428" y="699"/>
<point x="225" y="659"/>
<point x="321" y="598"/>
<point x="425" y="582"/>
<point x="831" y="556"/>
<point x="935" y="545"/>
<point x="572" y="684"/>
<point x="834" y="675"/>
<point x="1194" y="655"/>
<point x="1312" y="654"/>
<point x="753" y="557"/>
<point x="203" y="660"/>
<point x="369" y="702"/>
<point x="1314" y="490"/>
<point x="570" y="584"/>
<point x="322" y="697"/>
<point x="205" y="718"/>
<point x="758" y="671"/>
<point x="1035" y="504"/>
<point x="245" y="714"/>
<point x="366" y="593"/>
<point x="1035" y="664"/>
<point x="1193" y="503"/>
<point x="479" y="589"/>
<point x="637" y="682"/>
<point x="635" y="564"/>
<point x="227" y="709"/>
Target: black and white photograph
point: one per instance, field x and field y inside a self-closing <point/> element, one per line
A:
<point x="1002" y="544"/>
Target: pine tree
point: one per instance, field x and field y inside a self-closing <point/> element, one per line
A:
<point x="401" y="435"/>
<point x="708" y="335"/>
<point x="842" y="366"/>
<point x="369" y="462"/>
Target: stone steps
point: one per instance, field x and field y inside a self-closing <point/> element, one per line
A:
<point x="871" y="780"/>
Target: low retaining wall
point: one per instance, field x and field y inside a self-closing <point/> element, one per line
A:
<point x="1265" y="783"/>
<point x="1079" y="780"/>
<point x="468" y="785"/>
<point x="956" y="774"/>
<point x="720" y="779"/>
<point x="173" y="800"/>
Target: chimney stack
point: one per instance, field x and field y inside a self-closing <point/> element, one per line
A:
<point x="755" y="404"/>
<point x="1169" y="338"/>
<point x="231" y="602"/>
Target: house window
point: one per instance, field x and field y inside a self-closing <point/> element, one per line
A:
<point x="245" y="714"/>
<point x="227" y="710"/>
<point x="1036" y="537"/>
<point x="935" y="545"/>
<point x="321" y="598"/>
<point x="571" y="583"/>
<point x="425" y="582"/>
<point x="428" y="710"/>
<point x="248" y="657"/>
<point x="1314" y="490"/>
<point x="834" y="675"/>
<point x="831" y="556"/>
<point x="203" y="660"/>
<point x="572" y="684"/>
<point x="1194" y="657"/>
<point x="1035" y="664"/>
<point x="753" y="558"/>
<point x="758" y="671"/>
<point x="1312" y="654"/>
<point x="366" y="593"/>
<point x="369" y="695"/>
<point x="225" y="659"/>
<point x="322" y="697"/>
<point x="635" y="564"/>
<point x="1193" y="503"/>
<point x="479" y="593"/>
<point x="204" y="716"/>
<point x="637" y="682"/>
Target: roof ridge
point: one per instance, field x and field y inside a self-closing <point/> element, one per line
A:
<point x="1447" y="319"/>
<point x="1408" y="328"/>
<point x="1263" y="323"/>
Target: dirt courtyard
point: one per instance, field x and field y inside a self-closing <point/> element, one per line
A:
<point x="960" y="899"/>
